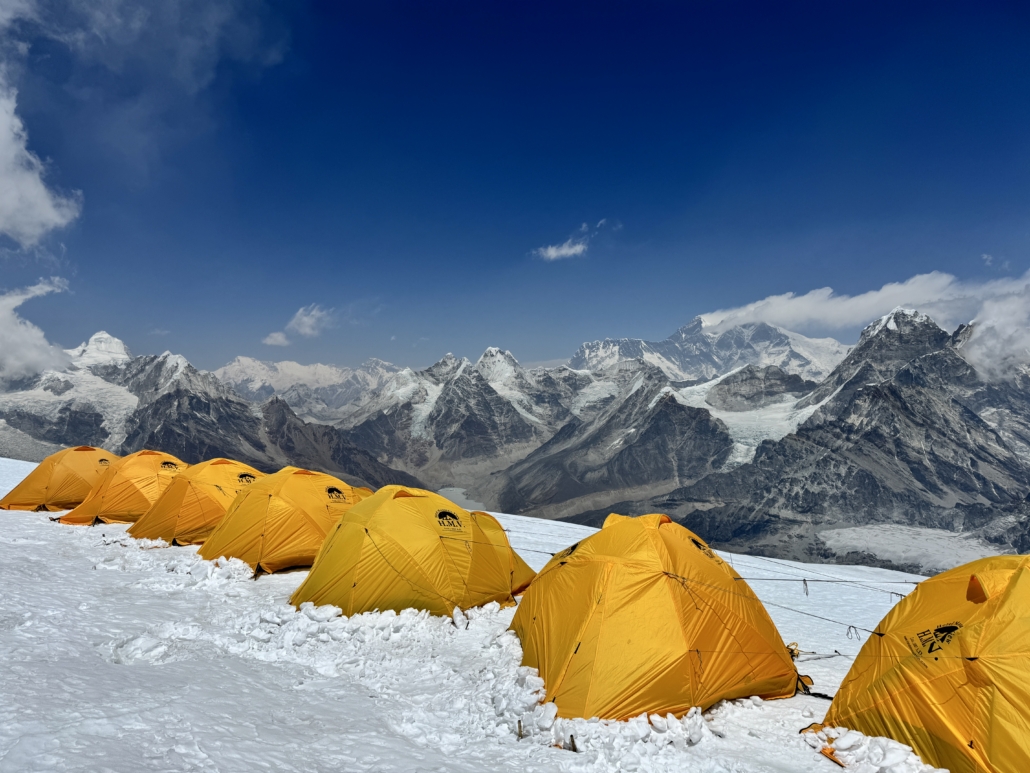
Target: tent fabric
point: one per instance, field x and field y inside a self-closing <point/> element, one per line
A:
<point x="521" y="573"/>
<point x="194" y="502"/>
<point x="61" y="481"/>
<point x="409" y="548"/>
<point x="947" y="671"/>
<point x="280" y="521"/>
<point x="644" y="617"/>
<point x="127" y="489"/>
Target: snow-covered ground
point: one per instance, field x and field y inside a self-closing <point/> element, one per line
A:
<point x="122" y="655"/>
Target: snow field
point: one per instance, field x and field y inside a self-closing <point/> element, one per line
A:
<point x="126" y="655"/>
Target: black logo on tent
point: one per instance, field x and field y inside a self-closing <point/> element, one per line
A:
<point x="567" y="552"/>
<point x="335" y="494"/>
<point x="103" y="462"/>
<point x="169" y="466"/>
<point x="448" y="520"/>
<point x="702" y="547"/>
<point x="936" y="638"/>
<point x="245" y="478"/>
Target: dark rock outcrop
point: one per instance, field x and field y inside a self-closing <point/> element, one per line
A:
<point x="752" y="387"/>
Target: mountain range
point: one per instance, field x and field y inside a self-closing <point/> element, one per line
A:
<point x="106" y="397"/>
<point x="757" y="438"/>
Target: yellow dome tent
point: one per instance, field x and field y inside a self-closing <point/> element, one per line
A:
<point x="644" y="617"/>
<point x="281" y="520"/>
<point x="127" y="489"/>
<point x="947" y="671"/>
<point x="194" y="502"/>
<point x="405" y="547"/>
<point x="61" y="481"/>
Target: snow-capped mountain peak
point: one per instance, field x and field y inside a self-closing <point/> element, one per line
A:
<point x="499" y="367"/>
<point x="317" y="392"/>
<point x="898" y="320"/>
<point x="251" y="375"/>
<point x="448" y="367"/>
<point x="102" y="348"/>
<point x="699" y="351"/>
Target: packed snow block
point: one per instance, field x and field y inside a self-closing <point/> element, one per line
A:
<point x="410" y="548"/>
<point x="195" y="502"/>
<point x="947" y="671"/>
<point x="644" y="617"/>
<point x="61" y="481"/>
<point x="127" y="489"/>
<point x="280" y="521"/>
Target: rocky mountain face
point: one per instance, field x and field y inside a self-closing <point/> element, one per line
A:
<point x="457" y="421"/>
<point x="111" y="399"/>
<point x="640" y="439"/>
<point x="752" y="387"/>
<point x="696" y="351"/>
<point x="319" y="393"/>
<point x="904" y="431"/>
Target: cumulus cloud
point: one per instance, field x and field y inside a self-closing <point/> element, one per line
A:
<point x="999" y="309"/>
<point x="277" y="338"/>
<point x="1000" y="343"/>
<point x="132" y="83"/>
<point x="309" y="321"/>
<point x="29" y="208"/>
<point x="575" y="246"/>
<point x="24" y="350"/>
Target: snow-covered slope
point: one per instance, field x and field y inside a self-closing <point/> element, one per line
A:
<point x="101" y="349"/>
<point x="125" y="656"/>
<point x="697" y="351"/>
<point x="322" y="393"/>
<point x="253" y="377"/>
<point x="459" y="421"/>
<point x="747" y="428"/>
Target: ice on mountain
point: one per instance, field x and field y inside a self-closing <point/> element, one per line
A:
<point x="102" y="348"/>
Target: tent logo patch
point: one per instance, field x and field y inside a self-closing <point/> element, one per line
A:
<point x="169" y="466"/>
<point x="334" y="493"/>
<point x="103" y="462"/>
<point x="448" y="520"/>
<point x="702" y="547"/>
<point x="245" y="478"/>
<point x="567" y="552"/>
<point x="934" y="639"/>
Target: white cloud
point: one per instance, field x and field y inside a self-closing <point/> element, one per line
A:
<point x="987" y="259"/>
<point x="29" y="209"/>
<point x="1000" y="309"/>
<point x="576" y="245"/>
<point x="1001" y="335"/>
<point x="310" y="321"/>
<point x="24" y="350"/>
<point x="572" y="248"/>
<point x="277" y="338"/>
<point x="131" y="84"/>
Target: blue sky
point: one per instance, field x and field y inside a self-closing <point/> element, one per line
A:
<point x="398" y="170"/>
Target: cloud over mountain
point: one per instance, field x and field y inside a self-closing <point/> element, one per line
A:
<point x="24" y="349"/>
<point x="999" y="307"/>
